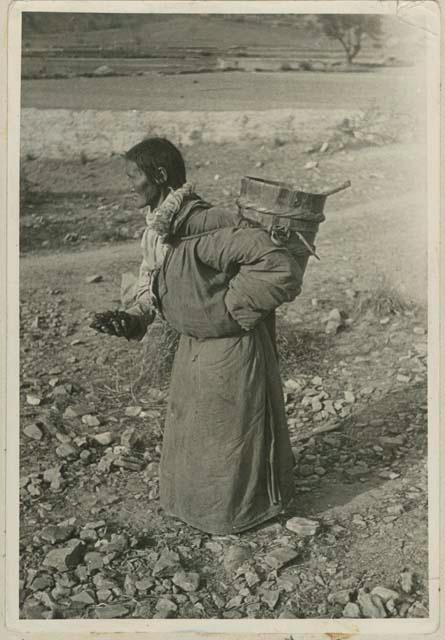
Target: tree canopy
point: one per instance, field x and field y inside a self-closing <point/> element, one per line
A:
<point x="349" y="30"/>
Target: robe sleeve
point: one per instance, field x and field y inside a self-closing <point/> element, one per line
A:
<point x="265" y="277"/>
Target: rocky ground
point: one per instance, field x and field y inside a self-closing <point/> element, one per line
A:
<point x="93" y="540"/>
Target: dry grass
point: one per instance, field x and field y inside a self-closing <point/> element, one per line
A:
<point x="381" y="301"/>
<point x="156" y="360"/>
<point x="302" y="350"/>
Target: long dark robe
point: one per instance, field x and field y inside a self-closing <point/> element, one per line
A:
<point x="226" y="463"/>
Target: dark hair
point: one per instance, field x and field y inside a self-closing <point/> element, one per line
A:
<point x="152" y="153"/>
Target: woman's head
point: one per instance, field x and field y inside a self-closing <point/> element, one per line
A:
<point x="154" y="165"/>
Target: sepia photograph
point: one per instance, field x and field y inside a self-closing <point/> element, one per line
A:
<point x="227" y="401"/>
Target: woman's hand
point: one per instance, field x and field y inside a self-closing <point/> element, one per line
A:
<point x="119" y="323"/>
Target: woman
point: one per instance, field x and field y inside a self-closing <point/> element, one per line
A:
<point x="226" y="462"/>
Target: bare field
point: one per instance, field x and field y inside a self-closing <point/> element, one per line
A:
<point x="399" y="89"/>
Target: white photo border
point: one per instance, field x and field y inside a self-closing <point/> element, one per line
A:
<point x="425" y="15"/>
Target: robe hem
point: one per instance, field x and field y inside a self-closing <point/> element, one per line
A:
<point x="271" y="513"/>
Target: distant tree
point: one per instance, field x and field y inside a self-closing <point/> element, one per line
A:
<point x="349" y="30"/>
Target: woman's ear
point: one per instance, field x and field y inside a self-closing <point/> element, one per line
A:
<point x="162" y="175"/>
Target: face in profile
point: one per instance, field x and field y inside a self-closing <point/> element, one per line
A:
<point x="146" y="190"/>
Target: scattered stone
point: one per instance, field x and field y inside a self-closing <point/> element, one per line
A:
<point x="36" y="323"/>
<point x="65" y="580"/>
<point x="86" y="456"/>
<point x="305" y="470"/>
<point x="118" y="543"/>
<point x="88" y="535"/>
<point x="187" y="581"/>
<point x="213" y="547"/>
<point x="407" y="581"/>
<point x="232" y="614"/>
<point x="33" y="400"/>
<point x="371" y="605"/>
<point x="358" y="520"/>
<point x="110" y="611"/>
<point x="144" y="585"/>
<point x="388" y="475"/>
<point x="101" y="582"/>
<point x="67" y="557"/>
<point x="334" y="322"/>
<point x="90" y="421"/>
<point x="403" y="378"/>
<point x="103" y="595"/>
<point x="392" y="441"/>
<point x="66" y="451"/>
<point x="56" y="533"/>
<point x="129" y="585"/>
<point x="349" y="397"/>
<point x="302" y="526"/>
<point x="324" y="147"/>
<point x="234" y="602"/>
<point x="33" y="431"/>
<point x="313" y="164"/>
<point x="403" y="609"/>
<point x="417" y="610"/>
<point x="94" y="561"/>
<point x="129" y="463"/>
<point x="133" y="412"/>
<point x="71" y="237"/>
<point x="64" y="438"/>
<point x="395" y="509"/>
<point x="340" y="597"/>
<point x="70" y="412"/>
<point x="104" y="439"/>
<point x="270" y="597"/>
<point x="103" y="70"/>
<point x="96" y="524"/>
<point x="34" y="610"/>
<point x="235" y="556"/>
<point x="54" y="477"/>
<point x="292" y="386"/>
<point x="280" y="557"/>
<point x="60" y="592"/>
<point x="252" y="578"/>
<point x="419" y="331"/>
<point x="385" y="594"/>
<point x="167" y="564"/>
<point x="151" y="471"/>
<point x="351" y="610"/>
<point x="131" y="439"/>
<point x="45" y="598"/>
<point x="82" y="573"/>
<point x="84" y="597"/>
<point x="286" y="614"/>
<point x="61" y="391"/>
<point x="106" y="462"/>
<point x="165" y="608"/>
<point x="391" y="607"/>
<point x="92" y="279"/>
<point x="357" y="470"/>
<point x="41" y="582"/>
